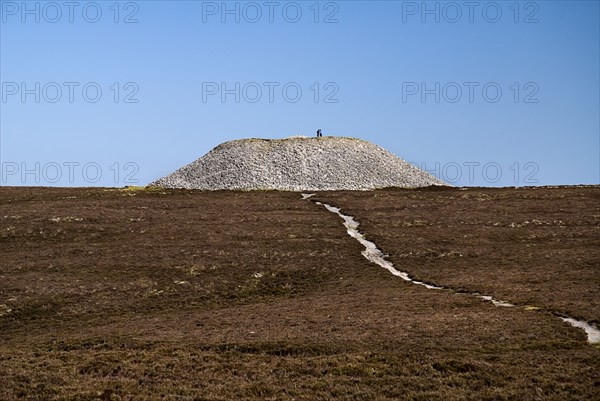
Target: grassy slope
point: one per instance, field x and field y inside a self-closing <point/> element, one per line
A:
<point x="537" y="247"/>
<point x="182" y="295"/>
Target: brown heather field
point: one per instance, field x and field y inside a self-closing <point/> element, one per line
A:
<point x="147" y="294"/>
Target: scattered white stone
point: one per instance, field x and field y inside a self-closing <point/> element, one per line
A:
<point x="4" y="309"/>
<point x="65" y="219"/>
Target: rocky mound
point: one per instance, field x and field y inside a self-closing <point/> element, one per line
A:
<point x="298" y="164"/>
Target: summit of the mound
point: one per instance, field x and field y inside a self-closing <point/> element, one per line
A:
<point x="298" y="164"/>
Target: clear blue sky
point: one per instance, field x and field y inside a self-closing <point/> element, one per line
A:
<point x="385" y="63"/>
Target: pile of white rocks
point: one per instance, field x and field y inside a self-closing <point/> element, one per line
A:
<point x="298" y="164"/>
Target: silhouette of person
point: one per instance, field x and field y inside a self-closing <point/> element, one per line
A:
<point x="319" y="134"/>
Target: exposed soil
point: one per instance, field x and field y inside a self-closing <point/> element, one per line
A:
<point x="123" y="294"/>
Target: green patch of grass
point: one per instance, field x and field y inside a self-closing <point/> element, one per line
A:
<point x="136" y="188"/>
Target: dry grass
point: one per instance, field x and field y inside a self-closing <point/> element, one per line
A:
<point x="183" y="295"/>
<point x="534" y="247"/>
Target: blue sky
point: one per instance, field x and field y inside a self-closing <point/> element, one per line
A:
<point x="492" y="94"/>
